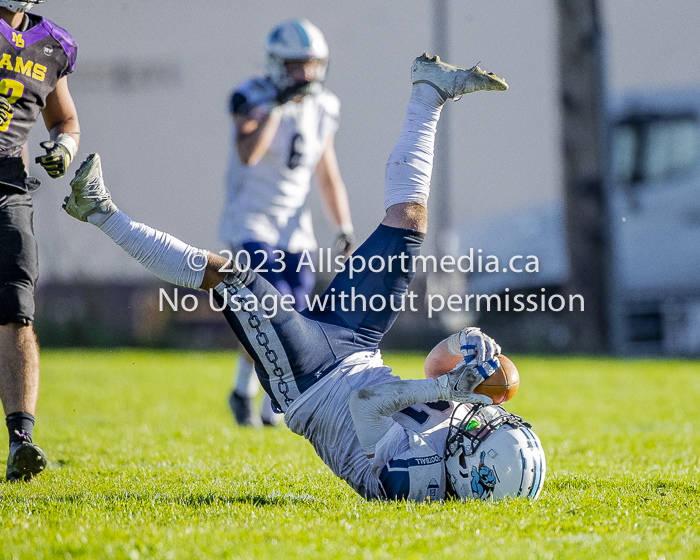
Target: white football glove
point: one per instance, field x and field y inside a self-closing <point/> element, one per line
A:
<point x="346" y="241"/>
<point x="475" y="345"/>
<point x="460" y="382"/>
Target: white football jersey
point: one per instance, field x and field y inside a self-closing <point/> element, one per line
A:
<point x="409" y="460"/>
<point x="267" y="202"/>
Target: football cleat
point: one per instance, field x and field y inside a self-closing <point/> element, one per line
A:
<point x="25" y="460"/>
<point x="89" y="196"/>
<point x="244" y="411"/>
<point x="18" y="6"/>
<point x="453" y="81"/>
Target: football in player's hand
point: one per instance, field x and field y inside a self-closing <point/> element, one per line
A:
<point x="503" y="384"/>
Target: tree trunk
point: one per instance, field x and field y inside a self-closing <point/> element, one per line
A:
<point x="583" y="125"/>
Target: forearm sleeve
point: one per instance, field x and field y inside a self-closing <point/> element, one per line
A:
<point x="164" y="255"/>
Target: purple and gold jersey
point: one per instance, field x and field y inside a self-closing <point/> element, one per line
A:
<point x="31" y="64"/>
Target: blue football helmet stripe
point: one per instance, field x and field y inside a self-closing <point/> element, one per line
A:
<point x="302" y="33"/>
<point x="538" y="463"/>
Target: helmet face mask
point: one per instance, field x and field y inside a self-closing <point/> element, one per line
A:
<point x="492" y="455"/>
<point x="18" y="6"/>
<point x="291" y="45"/>
<point x="311" y="70"/>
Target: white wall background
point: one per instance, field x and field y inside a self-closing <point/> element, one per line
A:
<point x="153" y="79"/>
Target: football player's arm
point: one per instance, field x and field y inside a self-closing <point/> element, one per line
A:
<point x="372" y="407"/>
<point x="335" y="196"/>
<point x="25" y="155"/>
<point x="256" y="127"/>
<point x="214" y="271"/>
<point x="440" y="361"/>
<point x="61" y="119"/>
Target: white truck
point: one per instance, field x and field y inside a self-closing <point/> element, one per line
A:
<point x="653" y="211"/>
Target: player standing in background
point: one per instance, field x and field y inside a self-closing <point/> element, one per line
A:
<point x="37" y="56"/>
<point x="284" y="129"/>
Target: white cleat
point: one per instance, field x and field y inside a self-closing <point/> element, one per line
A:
<point x="89" y="196"/>
<point x="453" y="81"/>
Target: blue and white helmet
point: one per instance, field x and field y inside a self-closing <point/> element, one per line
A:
<point x="492" y="455"/>
<point x="18" y="6"/>
<point x="296" y="39"/>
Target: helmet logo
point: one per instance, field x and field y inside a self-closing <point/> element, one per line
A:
<point x="17" y="40"/>
<point x="483" y="479"/>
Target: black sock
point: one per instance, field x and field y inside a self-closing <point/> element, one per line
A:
<point x="19" y="422"/>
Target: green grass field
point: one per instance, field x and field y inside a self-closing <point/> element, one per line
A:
<point x="145" y="462"/>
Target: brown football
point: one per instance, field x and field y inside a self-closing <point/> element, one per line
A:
<point x="503" y="384"/>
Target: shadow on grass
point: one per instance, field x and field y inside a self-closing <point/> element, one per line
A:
<point x="187" y="500"/>
<point x="249" y="499"/>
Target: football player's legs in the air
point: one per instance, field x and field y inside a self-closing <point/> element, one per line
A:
<point x="322" y="367"/>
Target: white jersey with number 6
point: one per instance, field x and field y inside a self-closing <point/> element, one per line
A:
<point x="267" y="202"/>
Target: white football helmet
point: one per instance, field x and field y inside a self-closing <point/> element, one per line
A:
<point x="18" y="6"/>
<point x="296" y="39"/>
<point x="492" y="454"/>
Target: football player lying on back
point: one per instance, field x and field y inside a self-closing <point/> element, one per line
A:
<point x="386" y="437"/>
